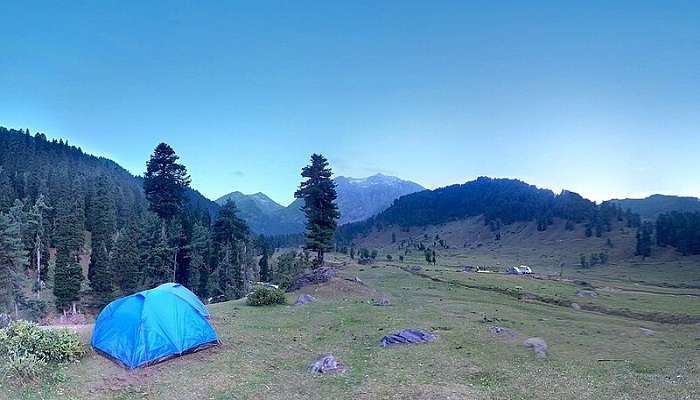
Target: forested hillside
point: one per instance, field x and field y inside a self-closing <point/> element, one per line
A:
<point x="500" y="201"/>
<point x="651" y="207"/>
<point x="63" y="212"/>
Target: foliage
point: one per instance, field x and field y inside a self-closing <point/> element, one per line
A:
<point x="233" y="252"/>
<point x="13" y="258"/>
<point x="644" y="240"/>
<point x="289" y="266"/>
<point x="319" y="195"/>
<point x="265" y="296"/>
<point x="126" y="260"/>
<point x="165" y="182"/>
<point x="66" y="193"/>
<point x="26" y="350"/>
<point x="67" y="279"/>
<point x="680" y="230"/>
<point x="102" y="278"/>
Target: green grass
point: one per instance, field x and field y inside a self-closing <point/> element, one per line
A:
<point x="266" y="351"/>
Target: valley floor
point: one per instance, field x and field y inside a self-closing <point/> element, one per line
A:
<point x="266" y="351"/>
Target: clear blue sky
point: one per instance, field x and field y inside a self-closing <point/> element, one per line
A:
<point x="602" y="97"/>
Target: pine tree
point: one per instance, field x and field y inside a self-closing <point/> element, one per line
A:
<point x="230" y="240"/>
<point x="159" y="264"/>
<point x="101" y="280"/>
<point x="70" y="222"/>
<point x="126" y="260"/>
<point x="7" y="192"/>
<point x="644" y="240"/>
<point x="67" y="279"/>
<point x="164" y="184"/>
<point x="13" y="258"/>
<point x="318" y="192"/>
<point x="102" y="212"/>
<point x="198" y="249"/>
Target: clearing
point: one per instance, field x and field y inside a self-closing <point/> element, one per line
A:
<point x="266" y="352"/>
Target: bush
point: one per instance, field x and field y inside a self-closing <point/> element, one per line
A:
<point x="266" y="297"/>
<point x="23" y="368"/>
<point x="26" y="350"/>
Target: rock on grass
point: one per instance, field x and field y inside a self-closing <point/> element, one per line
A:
<point x="327" y="364"/>
<point x="538" y="345"/>
<point x="305" y="299"/>
<point x="647" y="332"/>
<point x="407" y="336"/>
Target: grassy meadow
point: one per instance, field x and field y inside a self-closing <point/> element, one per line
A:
<point x="266" y="351"/>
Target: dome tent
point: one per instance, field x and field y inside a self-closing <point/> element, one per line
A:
<point x="153" y="325"/>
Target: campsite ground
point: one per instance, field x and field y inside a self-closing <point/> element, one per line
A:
<point x="266" y="351"/>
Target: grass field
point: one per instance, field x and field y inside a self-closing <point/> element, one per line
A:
<point x="266" y="351"/>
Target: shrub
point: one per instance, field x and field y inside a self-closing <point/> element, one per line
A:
<point x="266" y="296"/>
<point x="23" y="368"/>
<point x="26" y="350"/>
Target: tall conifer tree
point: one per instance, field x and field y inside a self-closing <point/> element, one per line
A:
<point x="319" y="195"/>
<point x="13" y="258"/>
<point x="125" y="259"/>
<point x="101" y="281"/>
<point x="164" y="184"/>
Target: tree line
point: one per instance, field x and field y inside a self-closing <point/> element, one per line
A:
<point x="84" y="212"/>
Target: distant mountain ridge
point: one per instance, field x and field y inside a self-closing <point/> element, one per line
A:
<point x="358" y="199"/>
<point x="500" y="201"/>
<point x="654" y="205"/>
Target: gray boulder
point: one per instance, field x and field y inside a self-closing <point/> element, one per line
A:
<point x="538" y="345"/>
<point x="576" y="306"/>
<point x="586" y="293"/>
<point x="328" y="364"/>
<point x="318" y="275"/>
<point x="305" y="299"/>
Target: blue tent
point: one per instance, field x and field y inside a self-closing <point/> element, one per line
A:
<point x="153" y="325"/>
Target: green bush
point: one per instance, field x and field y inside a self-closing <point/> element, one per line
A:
<point x="266" y="297"/>
<point x="23" y="368"/>
<point x="26" y="350"/>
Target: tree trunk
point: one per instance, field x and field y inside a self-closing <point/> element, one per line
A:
<point x="319" y="257"/>
<point x="175" y="264"/>
<point x="38" y="271"/>
<point x="162" y="228"/>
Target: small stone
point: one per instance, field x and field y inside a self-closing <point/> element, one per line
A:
<point x="498" y="331"/>
<point x="647" y="332"/>
<point x="384" y="301"/>
<point x="586" y="293"/>
<point x="576" y="306"/>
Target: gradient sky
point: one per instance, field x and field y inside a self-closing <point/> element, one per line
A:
<point x="602" y="97"/>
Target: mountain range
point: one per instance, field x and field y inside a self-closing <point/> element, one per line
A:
<point x="358" y="199"/>
<point x="651" y="207"/>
